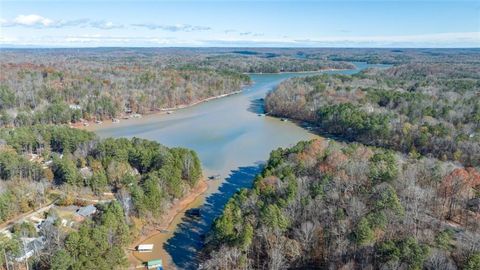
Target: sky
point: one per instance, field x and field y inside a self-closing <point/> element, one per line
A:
<point x="248" y="23"/>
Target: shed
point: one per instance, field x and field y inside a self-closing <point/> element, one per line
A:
<point x="145" y="248"/>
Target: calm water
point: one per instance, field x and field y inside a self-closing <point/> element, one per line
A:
<point x="230" y="139"/>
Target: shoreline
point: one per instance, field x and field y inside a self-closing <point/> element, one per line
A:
<point x="177" y="209"/>
<point x="298" y="72"/>
<point x="92" y="126"/>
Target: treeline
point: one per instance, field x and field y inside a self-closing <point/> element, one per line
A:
<point x="44" y="164"/>
<point x="61" y="86"/>
<point x="62" y="92"/>
<point x="402" y="55"/>
<point x="324" y="205"/>
<point x="271" y="63"/>
<point x="428" y="109"/>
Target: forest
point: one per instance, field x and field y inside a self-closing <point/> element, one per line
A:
<point x="47" y="164"/>
<point x="66" y="85"/>
<point x="395" y="184"/>
<point x="328" y="205"/>
<point x="430" y="109"/>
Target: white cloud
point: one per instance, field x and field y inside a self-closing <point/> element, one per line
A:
<point x="437" y="37"/>
<point x="32" y="20"/>
<point x="7" y="40"/>
<point x="184" y="36"/>
<point x="466" y="39"/>
<point x="105" y="25"/>
<point x="37" y="21"/>
<point x="471" y="39"/>
<point x="173" y="28"/>
<point x="95" y="40"/>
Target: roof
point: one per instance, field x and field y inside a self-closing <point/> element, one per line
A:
<point x="153" y="263"/>
<point x="32" y="245"/>
<point x="145" y="246"/>
<point x="87" y="210"/>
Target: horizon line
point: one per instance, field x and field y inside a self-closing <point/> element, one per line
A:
<point x="10" y="46"/>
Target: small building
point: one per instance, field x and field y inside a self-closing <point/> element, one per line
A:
<point x="155" y="264"/>
<point x="145" y="248"/>
<point x="87" y="211"/>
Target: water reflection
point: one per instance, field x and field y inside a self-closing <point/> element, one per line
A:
<point x="257" y="106"/>
<point x="189" y="237"/>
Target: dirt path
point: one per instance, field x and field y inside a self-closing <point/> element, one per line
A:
<point x="168" y="223"/>
<point x="9" y="223"/>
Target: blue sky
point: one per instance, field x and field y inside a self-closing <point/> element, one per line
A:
<point x="351" y="23"/>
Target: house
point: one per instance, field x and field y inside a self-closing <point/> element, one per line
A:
<point x="30" y="247"/>
<point x="87" y="211"/>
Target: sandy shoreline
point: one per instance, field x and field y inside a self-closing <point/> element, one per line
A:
<point x="177" y="209"/>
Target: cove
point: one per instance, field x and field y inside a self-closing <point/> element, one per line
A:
<point x="232" y="138"/>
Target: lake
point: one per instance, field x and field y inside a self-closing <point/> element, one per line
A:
<point x="231" y="140"/>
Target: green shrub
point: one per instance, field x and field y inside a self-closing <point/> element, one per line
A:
<point x="473" y="262"/>
<point x="364" y="233"/>
<point x="444" y="239"/>
<point x="383" y="166"/>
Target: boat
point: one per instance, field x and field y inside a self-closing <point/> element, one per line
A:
<point x="115" y="120"/>
<point x="213" y="177"/>
<point x="169" y="112"/>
